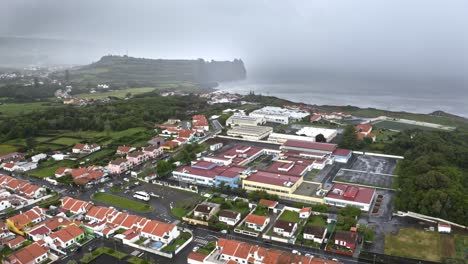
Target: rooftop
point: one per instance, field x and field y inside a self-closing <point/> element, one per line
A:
<point x="310" y="145"/>
<point x="351" y="193"/>
<point x="273" y="178"/>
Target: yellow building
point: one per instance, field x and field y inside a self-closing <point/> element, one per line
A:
<point x="287" y="187"/>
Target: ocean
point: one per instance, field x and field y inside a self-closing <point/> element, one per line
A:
<point x="402" y="95"/>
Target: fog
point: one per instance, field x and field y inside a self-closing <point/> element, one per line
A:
<point x="423" y="38"/>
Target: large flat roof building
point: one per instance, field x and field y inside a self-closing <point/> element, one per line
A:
<point x="250" y="132"/>
<point x="280" y="115"/>
<point x="243" y="120"/>
<point x="313" y="132"/>
<point x="281" y="138"/>
<point x="308" y="148"/>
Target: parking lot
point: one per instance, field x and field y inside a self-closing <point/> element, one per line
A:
<point x="368" y="170"/>
<point x="374" y="164"/>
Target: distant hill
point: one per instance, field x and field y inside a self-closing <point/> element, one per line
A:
<point x="124" y="71"/>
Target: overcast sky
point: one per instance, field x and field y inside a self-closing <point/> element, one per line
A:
<point x="401" y="36"/>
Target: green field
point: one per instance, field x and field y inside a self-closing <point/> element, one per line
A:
<point x="5" y="149"/>
<point x="119" y="93"/>
<point x="91" y="136"/>
<point x="51" y="168"/>
<point x="42" y="139"/>
<point x="317" y="220"/>
<point x="433" y="246"/>
<point x="121" y="202"/>
<point x="290" y="216"/>
<point x="400" y="126"/>
<point x="65" y="141"/>
<point x="13" y="109"/>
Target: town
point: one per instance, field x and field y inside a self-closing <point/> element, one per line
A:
<point x="254" y="184"/>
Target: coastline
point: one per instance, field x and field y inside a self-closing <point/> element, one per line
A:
<point x="362" y="98"/>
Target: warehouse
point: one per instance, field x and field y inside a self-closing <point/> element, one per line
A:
<point x="313" y="132"/>
<point x="250" y="132"/>
<point x="243" y="120"/>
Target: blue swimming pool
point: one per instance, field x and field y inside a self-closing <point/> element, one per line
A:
<point x="156" y="244"/>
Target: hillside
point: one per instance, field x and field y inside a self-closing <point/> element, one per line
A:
<point x="123" y="71"/>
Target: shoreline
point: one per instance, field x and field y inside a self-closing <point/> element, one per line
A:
<point x="238" y="87"/>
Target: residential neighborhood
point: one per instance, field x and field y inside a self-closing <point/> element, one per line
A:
<point x="298" y="190"/>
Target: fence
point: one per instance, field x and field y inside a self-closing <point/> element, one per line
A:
<point x="378" y="155"/>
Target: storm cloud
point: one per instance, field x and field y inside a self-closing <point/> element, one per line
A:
<point x="419" y="37"/>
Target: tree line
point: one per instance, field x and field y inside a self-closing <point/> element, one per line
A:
<point x="433" y="177"/>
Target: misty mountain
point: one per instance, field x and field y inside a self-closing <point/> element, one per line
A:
<point x="133" y="72"/>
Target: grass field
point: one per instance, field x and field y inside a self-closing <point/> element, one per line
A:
<point x="432" y="246"/>
<point x="14" y="109"/>
<point x="118" y="93"/>
<point x="461" y="246"/>
<point x="317" y="220"/>
<point x="5" y="149"/>
<point x="65" y="141"/>
<point x="121" y="202"/>
<point x="290" y="216"/>
<point x="415" y="243"/>
<point x="92" y="135"/>
<point x="400" y="126"/>
<point x="88" y="258"/>
<point x="51" y="168"/>
<point x="42" y="139"/>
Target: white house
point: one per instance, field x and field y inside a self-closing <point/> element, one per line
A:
<point x="285" y="228"/>
<point x="257" y="222"/>
<point x="229" y="217"/>
<point x="305" y="212"/>
<point x="159" y="231"/>
<point x="38" y="157"/>
<point x="315" y="233"/>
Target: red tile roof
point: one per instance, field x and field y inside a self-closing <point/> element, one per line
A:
<point x="351" y="193"/>
<point x="341" y="152"/>
<point x="272" y="178"/>
<point x="28" y="254"/>
<point x="256" y="219"/>
<point x="310" y="145"/>
<point x="366" y="128"/>
<point x="268" y="203"/>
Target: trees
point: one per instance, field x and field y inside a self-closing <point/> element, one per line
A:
<point x="163" y="168"/>
<point x="432" y="177"/>
<point x="350" y="139"/>
<point x="320" y="138"/>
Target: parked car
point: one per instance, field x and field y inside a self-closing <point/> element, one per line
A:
<point x="195" y="249"/>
